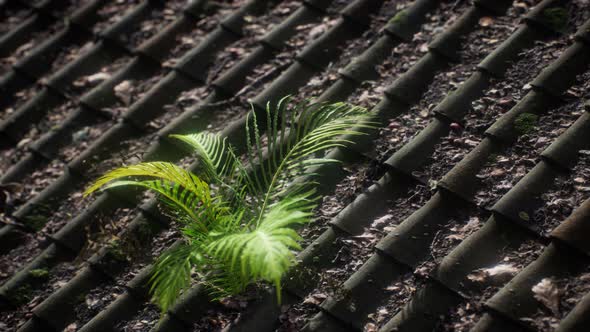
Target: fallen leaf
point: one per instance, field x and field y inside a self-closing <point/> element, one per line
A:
<point x="548" y="294"/>
<point x="22" y="143"/>
<point x="123" y="91"/>
<point x="370" y="327"/>
<point x="98" y="77"/>
<point x="423" y="48"/>
<point x="501" y="269"/>
<point x="90" y="302"/>
<point x="456" y="237"/>
<point x="497" y="172"/>
<point x="316" y="298"/>
<point x="496" y="273"/>
<point x="579" y="180"/>
<point x="486" y="21"/>
<point x="381" y="220"/>
<point x="71" y="328"/>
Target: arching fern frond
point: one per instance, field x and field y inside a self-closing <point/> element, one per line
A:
<point x="177" y="186"/>
<point x="179" y="199"/>
<point x="265" y="253"/>
<point x="218" y="159"/>
<point x="295" y="138"/>
<point x="172" y="273"/>
<point x="159" y="170"/>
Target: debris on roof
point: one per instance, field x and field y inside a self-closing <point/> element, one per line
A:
<point x="467" y="209"/>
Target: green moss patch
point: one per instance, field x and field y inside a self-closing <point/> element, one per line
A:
<point x="525" y="123"/>
<point x="39" y="273"/>
<point x="556" y="18"/>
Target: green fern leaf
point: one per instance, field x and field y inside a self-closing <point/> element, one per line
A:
<point x="161" y="170"/>
<point x="172" y="273"/>
<point x="265" y="253"/>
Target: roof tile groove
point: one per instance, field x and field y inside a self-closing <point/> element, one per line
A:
<point x="468" y="169"/>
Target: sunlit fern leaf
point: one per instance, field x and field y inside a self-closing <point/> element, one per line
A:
<point x="219" y="161"/>
<point x="172" y="273"/>
<point x="312" y="129"/>
<point x="159" y="170"/>
<point x="265" y="253"/>
<point x="178" y="198"/>
<point x="220" y="165"/>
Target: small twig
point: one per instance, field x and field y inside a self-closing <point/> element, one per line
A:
<point x="337" y="255"/>
<point x="6" y="220"/>
<point x="432" y="245"/>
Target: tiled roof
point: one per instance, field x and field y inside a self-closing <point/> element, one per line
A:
<point x="467" y="209"/>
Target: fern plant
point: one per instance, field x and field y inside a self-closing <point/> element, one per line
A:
<point x="238" y="218"/>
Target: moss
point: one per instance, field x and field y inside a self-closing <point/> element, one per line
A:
<point x="38" y="216"/>
<point x="39" y="273"/>
<point x="525" y="123"/>
<point x="493" y="157"/>
<point x="556" y="18"/>
<point x="399" y="18"/>
<point x="116" y="251"/>
<point x="22" y="294"/>
<point x="344" y="294"/>
<point x="303" y="276"/>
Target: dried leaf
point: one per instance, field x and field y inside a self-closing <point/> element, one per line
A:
<point x="579" y="180"/>
<point x="486" y="21"/>
<point x="123" y="91"/>
<point x="316" y="298"/>
<point x="381" y="221"/>
<point x="98" y="77"/>
<point x="71" y="328"/>
<point x="497" y="172"/>
<point x="548" y="294"/>
<point x="496" y="273"/>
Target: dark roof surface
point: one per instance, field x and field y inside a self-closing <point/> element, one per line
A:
<point x="467" y="210"/>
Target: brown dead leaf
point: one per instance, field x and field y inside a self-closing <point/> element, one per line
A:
<point x="98" y="77"/>
<point x="316" y="298"/>
<point x="123" y="91"/>
<point x="370" y="327"/>
<point x="381" y="221"/>
<point x="486" y="21"/>
<point x="497" y="172"/>
<point x="547" y="293"/>
<point x="71" y="328"/>
<point x="495" y="273"/>
<point x="423" y="48"/>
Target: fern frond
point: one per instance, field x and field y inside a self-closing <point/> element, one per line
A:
<point x="313" y="128"/>
<point x="172" y="273"/>
<point x="218" y="159"/>
<point x="179" y="199"/>
<point x="160" y="170"/>
<point x="265" y="253"/>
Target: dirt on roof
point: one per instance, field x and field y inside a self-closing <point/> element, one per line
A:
<point x="466" y="210"/>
